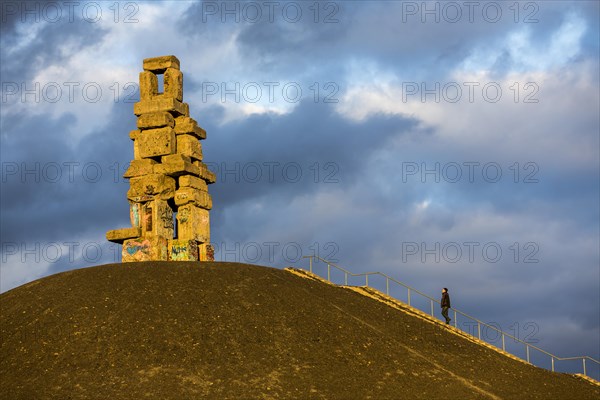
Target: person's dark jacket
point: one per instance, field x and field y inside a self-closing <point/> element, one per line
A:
<point x="445" y="300"/>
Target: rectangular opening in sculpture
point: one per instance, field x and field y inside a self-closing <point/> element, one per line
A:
<point x="161" y="83"/>
<point x="148" y="218"/>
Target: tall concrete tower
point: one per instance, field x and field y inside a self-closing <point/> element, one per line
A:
<point x="168" y="182"/>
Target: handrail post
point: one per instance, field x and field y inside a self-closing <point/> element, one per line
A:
<point x="583" y="358"/>
<point x="409" y="296"/>
<point x="552" y="363"/>
<point x="479" y="330"/>
<point x="527" y="347"/>
<point x="310" y="264"/>
<point x="328" y="272"/>
<point x="431" y="302"/>
<point x="387" y="285"/>
<point x="367" y="280"/>
<point x="346" y="278"/>
<point x="503" y="345"/>
<point x="455" y="319"/>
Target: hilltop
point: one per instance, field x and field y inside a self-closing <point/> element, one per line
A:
<point x="190" y="330"/>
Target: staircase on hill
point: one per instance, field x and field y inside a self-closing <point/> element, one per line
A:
<point x="590" y="373"/>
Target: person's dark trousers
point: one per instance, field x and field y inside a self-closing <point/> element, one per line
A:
<point x="445" y="314"/>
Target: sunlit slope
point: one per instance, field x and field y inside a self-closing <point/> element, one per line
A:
<point x="177" y="330"/>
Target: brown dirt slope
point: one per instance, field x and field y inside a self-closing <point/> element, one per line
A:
<point x="186" y="330"/>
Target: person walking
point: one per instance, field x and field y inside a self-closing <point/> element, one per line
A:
<point x="445" y="303"/>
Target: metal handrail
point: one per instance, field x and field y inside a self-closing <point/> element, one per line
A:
<point x="432" y="301"/>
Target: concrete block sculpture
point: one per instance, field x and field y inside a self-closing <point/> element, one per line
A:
<point x="168" y="182"/>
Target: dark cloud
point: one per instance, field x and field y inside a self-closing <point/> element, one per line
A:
<point x="36" y="44"/>
<point x="284" y="154"/>
<point x="49" y="178"/>
<point x="409" y="40"/>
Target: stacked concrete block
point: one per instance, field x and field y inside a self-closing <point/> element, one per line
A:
<point x="168" y="182"/>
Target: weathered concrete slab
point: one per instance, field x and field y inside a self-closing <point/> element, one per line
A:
<point x="171" y="158"/>
<point x="189" y="145"/>
<point x="192" y="181"/>
<point x="155" y="120"/>
<point x="177" y="165"/>
<point x="140" y="167"/>
<point x="173" y="84"/>
<point x="183" y="250"/>
<point x="120" y="235"/>
<point x="206" y="252"/>
<point x="188" y="126"/>
<point x="156" y="142"/>
<point x="153" y="185"/>
<point x="193" y="223"/>
<point x="148" y="86"/>
<point x="145" y="249"/>
<point x="157" y="219"/>
<point x="134" y="134"/>
<point x="160" y="64"/>
<point x="161" y="103"/>
<point x="197" y="197"/>
<point x="205" y="173"/>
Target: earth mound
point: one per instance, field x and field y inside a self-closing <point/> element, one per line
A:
<point x="189" y="330"/>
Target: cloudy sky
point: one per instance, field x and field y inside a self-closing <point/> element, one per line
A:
<point x="446" y="144"/>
